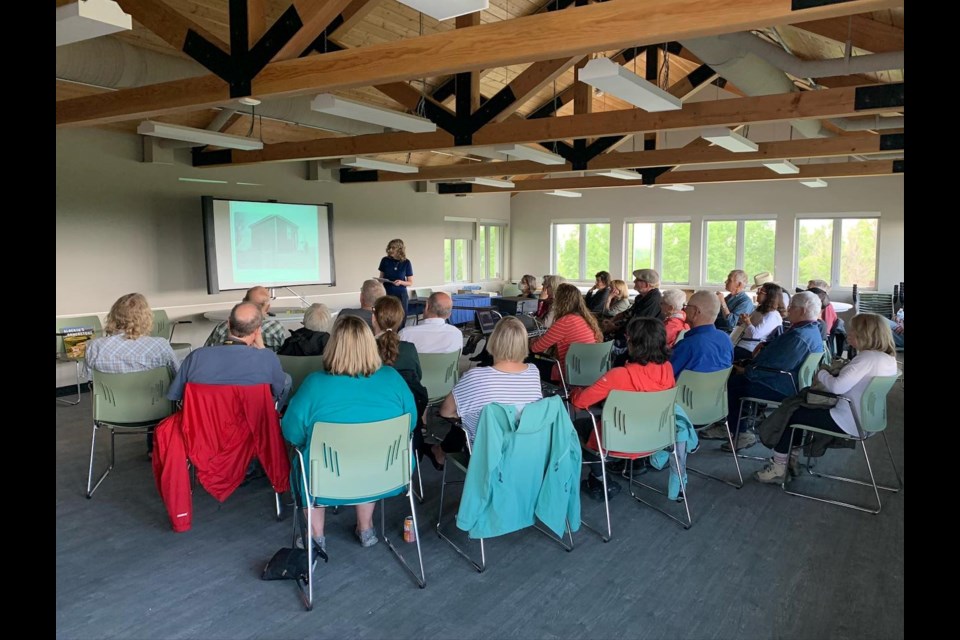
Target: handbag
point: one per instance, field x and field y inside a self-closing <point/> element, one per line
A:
<point x="291" y="564"/>
<point x="820" y="398"/>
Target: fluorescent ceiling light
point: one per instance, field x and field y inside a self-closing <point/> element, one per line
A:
<point x="90" y="19"/>
<point x="337" y="106"/>
<point x="678" y="187"/>
<point x="723" y="137"/>
<point x="484" y="152"/>
<point x="529" y="153"/>
<point x="198" y="136"/>
<point x="608" y="76"/>
<point x="620" y="174"/>
<point x="382" y="165"/>
<point x="446" y="9"/>
<point x="782" y="167"/>
<point x="564" y="194"/>
<point x="203" y="180"/>
<point x="816" y="183"/>
<point x="491" y="182"/>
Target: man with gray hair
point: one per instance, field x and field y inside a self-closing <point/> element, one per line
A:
<point x="272" y="333"/>
<point x="434" y="334"/>
<point x="760" y="378"/>
<point x="704" y="348"/>
<point x="370" y="292"/>
<point x="312" y="338"/>
<point x="735" y="302"/>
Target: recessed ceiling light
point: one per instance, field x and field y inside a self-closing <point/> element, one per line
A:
<point x="203" y="180"/>
<point x="678" y="187"/>
<point x="564" y="194"/>
<point x="816" y="183"/>
<point x="782" y="167"/>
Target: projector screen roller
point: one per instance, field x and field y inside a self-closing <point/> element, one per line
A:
<point x="267" y="243"/>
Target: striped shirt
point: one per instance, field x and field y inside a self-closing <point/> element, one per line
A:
<point x="117" y="354"/>
<point x="274" y="335"/>
<point x="482" y="385"/>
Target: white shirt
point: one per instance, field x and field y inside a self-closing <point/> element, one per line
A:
<point x="756" y="333"/>
<point x="433" y="335"/>
<point x="852" y="382"/>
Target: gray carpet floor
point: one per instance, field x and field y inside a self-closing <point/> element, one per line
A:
<point x="756" y="564"/>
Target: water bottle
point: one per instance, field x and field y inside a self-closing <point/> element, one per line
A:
<point x="900" y="316"/>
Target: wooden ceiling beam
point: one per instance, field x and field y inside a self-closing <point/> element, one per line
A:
<point x="167" y="23"/>
<point x="871" y="35"/>
<point x="712" y="176"/>
<point x="609" y="25"/>
<point x="532" y="80"/>
<point x="316" y="17"/>
<point x="772" y="108"/>
<point x="353" y="15"/>
<point x="467" y="83"/>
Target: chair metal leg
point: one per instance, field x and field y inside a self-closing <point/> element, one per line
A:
<point x="306" y="590"/>
<point x="422" y="578"/>
<point x="754" y="414"/>
<point x="79" y="394"/>
<point x="276" y="497"/>
<point x="568" y="547"/>
<point x="419" y="482"/>
<point x="93" y="443"/>
<point x="736" y="462"/>
<point x="482" y="565"/>
<point x="606" y="502"/>
<point x="683" y="491"/>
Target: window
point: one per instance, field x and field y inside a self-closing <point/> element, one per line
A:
<point x="661" y="246"/>
<point x="456" y="260"/>
<point x="581" y="249"/>
<point x="749" y="245"/>
<point x="842" y="251"/>
<point x="490" y="243"/>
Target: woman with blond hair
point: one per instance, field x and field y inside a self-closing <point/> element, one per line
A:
<point x="354" y="387"/>
<point x="397" y="271"/>
<point x="871" y="336"/>
<point x="573" y="323"/>
<point x="618" y="301"/>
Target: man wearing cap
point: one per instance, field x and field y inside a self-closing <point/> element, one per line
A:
<point x="735" y="302"/>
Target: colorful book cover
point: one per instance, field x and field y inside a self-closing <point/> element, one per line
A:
<point x="75" y="340"/>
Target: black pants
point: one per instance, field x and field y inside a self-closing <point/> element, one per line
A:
<point x="819" y="418"/>
<point x="455" y="441"/>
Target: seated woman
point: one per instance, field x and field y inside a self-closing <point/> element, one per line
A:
<point x="547" y="293"/>
<point x="648" y="369"/>
<point x="509" y="381"/>
<point x="764" y="321"/>
<point x="528" y="287"/>
<point x="675" y="319"/>
<point x="619" y="299"/>
<point x="354" y="387"/>
<point x="128" y="345"/>
<point x="574" y="323"/>
<point x="388" y="317"/>
<point x="596" y="298"/>
<point x="870" y="335"/>
<point x="824" y="303"/>
<point x="312" y="338"/>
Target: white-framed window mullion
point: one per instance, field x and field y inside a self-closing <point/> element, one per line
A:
<point x="741" y="242"/>
<point x="835" y="262"/>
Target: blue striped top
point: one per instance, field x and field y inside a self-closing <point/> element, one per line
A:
<point x="482" y="385"/>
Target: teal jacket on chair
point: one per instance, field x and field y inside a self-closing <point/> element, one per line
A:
<point x="520" y="469"/>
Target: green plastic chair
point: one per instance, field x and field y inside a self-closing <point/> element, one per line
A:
<point x="423" y="294"/>
<point x="872" y="420"/>
<point x="510" y="290"/>
<point x="440" y="373"/>
<point x="163" y="327"/>
<point x="299" y="367"/>
<point x="79" y="321"/>
<point x="586" y="363"/>
<point x="127" y="403"/>
<point x="354" y="462"/>
<point x="703" y="397"/>
<point x="636" y="422"/>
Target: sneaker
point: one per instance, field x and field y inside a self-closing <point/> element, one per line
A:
<point x="716" y="432"/>
<point x="367" y="537"/>
<point x="593" y="486"/>
<point x="318" y="543"/>
<point x="744" y="441"/>
<point x="773" y="473"/>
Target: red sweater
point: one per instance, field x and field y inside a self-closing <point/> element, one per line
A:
<point x="631" y="377"/>
<point x="564" y="332"/>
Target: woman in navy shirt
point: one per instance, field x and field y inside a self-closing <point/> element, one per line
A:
<point x="397" y="269"/>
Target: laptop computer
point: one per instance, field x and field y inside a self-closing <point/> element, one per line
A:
<point x="486" y="321"/>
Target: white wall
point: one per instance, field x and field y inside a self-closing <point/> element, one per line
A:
<point x="532" y="213"/>
<point x="124" y="226"/>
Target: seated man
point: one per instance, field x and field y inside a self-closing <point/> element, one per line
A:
<point x="704" y="348"/>
<point x="433" y="334"/>
<point x="370" y="292"/>
<point x="735" y="302"/>
<point x="312" y="338"/>
<point x="784" y="353"/>
<point x="240" y="360"/>
<point x="272" y="334"/>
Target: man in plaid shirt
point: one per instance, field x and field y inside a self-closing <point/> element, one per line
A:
<point x="272" y="331"/>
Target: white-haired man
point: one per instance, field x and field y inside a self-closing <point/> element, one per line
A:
<point x="734" y="302"/>
<point x="370" y="292"/>
<point x="434" y="334"/>
<point x="760" y="378"/>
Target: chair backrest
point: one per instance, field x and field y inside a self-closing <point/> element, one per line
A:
<point x="360" y="460"/>
<point x="162" y="327"/>
<point x="873" y="403"/>
<point x="440" y="373"/>
<point x="131" y="398"/>
<point x="638" y="421"/>
<point x="510" y="290"/>
<point x="881" y="303"/>
<point x="827" y="358"/>
<point x="809" y="368"/>
<point x="79" y="321"/>
<point x="703" y="395"/>
<point x="586" y="363"/>
<point x="423" y="294"/>
<point x="299" y="367"/>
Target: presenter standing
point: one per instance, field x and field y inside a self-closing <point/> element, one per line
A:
<point x="397" y="270"/>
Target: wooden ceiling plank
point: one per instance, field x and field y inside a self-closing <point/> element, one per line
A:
<point x="316" y="17"/>
<point x="580" y="30"/>
<point x="256" y="21"/>
<point x="468" y="102"/>
<point x="353" y="15"/>
<point x="864" y="33"/>
<point x="167" y="23"/>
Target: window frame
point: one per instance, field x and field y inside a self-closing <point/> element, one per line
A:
<point x="582" y="267"/>
<point x="836" y="247"/>
<point x="483" y="236"/>
<point x="658" y="242"/>
<point x="741" y="221"/>
<point x="453" y="260"/>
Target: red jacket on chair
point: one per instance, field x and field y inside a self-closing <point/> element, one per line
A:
<point x="219" y="429"/>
